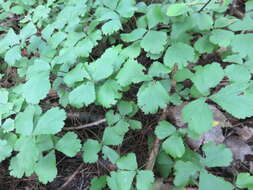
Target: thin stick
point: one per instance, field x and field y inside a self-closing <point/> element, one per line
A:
<point x="156" y="146"/>
<point x="204" y="5"/>
<point x="71" y="177"/>
<point x="86" y="125"/>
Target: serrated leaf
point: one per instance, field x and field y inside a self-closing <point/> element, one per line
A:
<point x="179" y="53"/>
<point x="144" y="180"/>
<point x="164" y="129"/>
<point x="155" y="15"/>
<point x="121" y="180"/>
<point x="69" y="144"/>
<point x="152" y="91"/>
<point x="12" y="55"/>
<point x="208" y="77"/>
<point x="170" y="143"/>
<point x="27" y="31"/>
<point x="209" y="182"/>
<point x="111" y="137"/>
<point x="183" y="172"/>
<point x="238" y="73"/>
<point x="241" y="44"/>
<point x="111" y="26"/>
<point x="221" y="37"/>
<point x="82" y="95"/>
<point x="191" y="114"/>
<point x="50" y="122"/>
<point x="157" y="69"/>
<point x="203" y="45"/>
<point x="134" y="35"/>
<point x="132" y="72"/>
<point x="177" y="9"/>
<point x="126" y="8"/>
<point x="127" y="162"/>
<point x="212" y="160"/>
<point x="111" y="117"/>
<point x="232" y="100"/>
<point x="204" y="21"/>
<point x="91" y="149"/>
<point x="46" y="168"/>
<point x="108" y="94"/>
<point x="154" y="41"/>
<point x="244" y="180"/>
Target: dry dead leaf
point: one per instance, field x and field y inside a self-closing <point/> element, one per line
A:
<point x="244" y="132"/>
<point x="238" y="147"/>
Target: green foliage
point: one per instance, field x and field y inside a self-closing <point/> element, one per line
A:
<point x="122" y="57"/>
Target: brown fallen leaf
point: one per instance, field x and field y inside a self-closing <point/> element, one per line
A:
<point x="244" y="132"/>
<point x="238" y="147"/>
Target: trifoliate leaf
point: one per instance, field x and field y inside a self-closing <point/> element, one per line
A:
<point x="158" y="69"/>
<point x="154" y="41"/>
<point x="191" y="114"/>
<point x="183" y="172"/>
<point x="221" y="37"/>
<point x="207" y="77"/>
<point x="69" y="144"/>
<point x="111" y="117"/>
<point x="232" y="100"/>
<point x="111" y="26"/>
<point x="12" y="55"/>
<point x="212" y="160"/>
<point x="177" y="9"/>
<point x="46" y="168"/>
<point x="132" y="72"/>
<point x="125" y="107"/>
<point x="44" y="142"/>
<point x="121" y="180"/>
<point x="98" y="183"/>
<point x="77" y="74"/>
<point x="82" y="95"/>
<point x="127" y="162"/>
<point x="111" y="154"/>
<point x="170" y="143"/>
<point x="203" y="45"/>
<point x="164" y="129"/>
<point x="111" y="137"/>
<point x="152" y="91"/>
<point x="91" y="149"/>
<point x="180" y="54"/>
<point x="144" y="180"/>
<point x="244" y="180"/>
<point x="241" y="44"/>
<point x="204" y="21"/>
<point x="50" y="122"/>
<point x="238" y="73"/>
<point x="210" y="182"/>
<point x="24" y="121"/>
<point x="108" y="93"/>
<point x="134" y="35"/>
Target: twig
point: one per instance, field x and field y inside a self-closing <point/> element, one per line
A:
<point x="71" y="177"/>
<point x="156" y="146"/>
<point x="86" y="125"/>
<point x="204" y="6"/>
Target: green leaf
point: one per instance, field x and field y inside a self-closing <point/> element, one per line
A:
<point x="10" y="39"/>
<point x="6" y="150"/>
<point x="245" y="24"/>
<point x="127" y="162"/>
<point x="203" y="45"/>
<point x="126" y="8"/>
<point x="13" y="55"/>
<point x="8" y="125"/>
<point x="125" y="107"/>
<point x="184" y="171"/>
<point x="121" y="180"/>
<point x="91" y="149"/>
<point x="207" y="77"/>
<point x="82" y="95"/>
<point x="111" y="137"/>
<point x="134" y="124"/>
<point x="155" y="15"/>
<point x="177" y="9"/>
<point x="69" y="144"/>
<point x="108" y="94"/>
<point x="152" y="91"/>
<point x="135" y="35"/>
<point x="164" y="164"/>
<point x="232" y="100"/>
<point x="27" y="31"/>
<point x="158" y="69"/>
<point x="154" y="41"/>
<point x="212" y="160"/>
<point x="132" y="72"/>
<point x="210" y="182"/>
<point x="238" y="73"/>
<point x="204" y="21"/>
<point x="56" y="39"/>
<point x="46" y="168"/>
<point x="179" y="53"/>
<point x="171" y="142"/>
<point x="111" y="154"/>
<point x="241" y="44"/>
<point x="111" y="117"/>
<point x="221" y="37"/>
<point x="145" y="180"/>
<point x="244" y="180"/>
<point x="164" y="129"/>
<point x="98" y="183"/>
<point x="112" y="26"/>
<point x="191" y="114"/>
<point x="50" y="122"/>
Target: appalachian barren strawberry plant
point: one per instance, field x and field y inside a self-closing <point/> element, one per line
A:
<point x="93" y="53"/>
